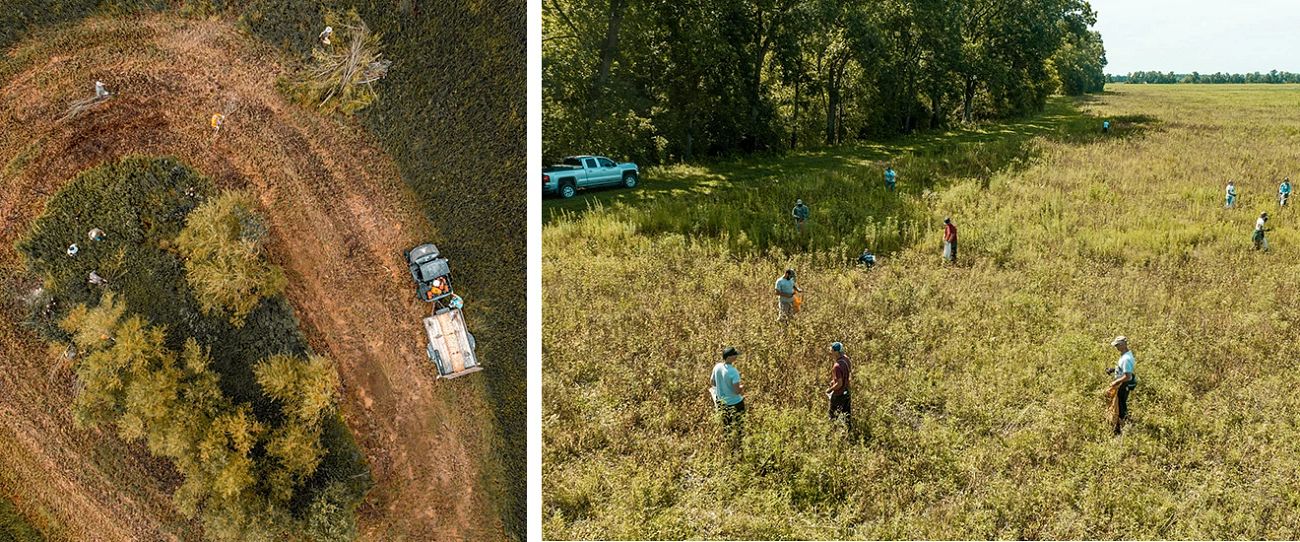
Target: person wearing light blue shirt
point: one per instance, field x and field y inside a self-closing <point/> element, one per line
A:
<point x="785" y="289"/>
<point x="1105" y="126"/>
<point x="1125" y="379"/>
<point x="1284" y="192"/>
<point x="891" y="178"/>
<point x="729" y="395"/>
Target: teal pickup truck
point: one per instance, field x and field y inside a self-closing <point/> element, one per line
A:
<point x="587" y="172"/>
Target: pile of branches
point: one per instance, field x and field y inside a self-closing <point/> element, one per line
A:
<point x="81" y="106"/>
<point x="341" y="77"/>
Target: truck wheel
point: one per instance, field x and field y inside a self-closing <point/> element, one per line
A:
<point x="567" y="190"/>
<point x="629" y="180"/>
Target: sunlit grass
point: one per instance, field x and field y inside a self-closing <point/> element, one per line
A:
<point x="977" y="388"/>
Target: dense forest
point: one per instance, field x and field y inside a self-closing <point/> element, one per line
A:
<point x="672" y="80"/>
<point x="1168" y="78"/>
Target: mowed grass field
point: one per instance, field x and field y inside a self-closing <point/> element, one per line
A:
<point x="978" y="405"/>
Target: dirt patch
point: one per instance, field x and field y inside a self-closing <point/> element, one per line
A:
<point x="340" y="217"/>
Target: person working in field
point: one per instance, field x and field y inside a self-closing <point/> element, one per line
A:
<point x="326" y="34"/>
<point x="800" y="214"/>
<point x="891" y="178"/>
<point x="1105" y="126"/>
<point x="785" y="292"/>
<point x="100" y="91"/>
<point x="1258" y="237"/>
<point x="1230" y="195"/>
<point x="1284" y="192"/>
<point x="1124" y="380"/>
<point x="949" y="240"/>
<point x="867" y="258"/>
<point x="729" y="395"/>
<point x="838" y="392"/>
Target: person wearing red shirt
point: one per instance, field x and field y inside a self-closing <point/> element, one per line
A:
<point x="949" y="240"/>
<point x="839" y="390"/>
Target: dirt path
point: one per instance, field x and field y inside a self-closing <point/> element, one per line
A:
<point x="340" y="217"/>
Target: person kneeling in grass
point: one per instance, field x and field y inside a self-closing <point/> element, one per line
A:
<point x="1258" y="237"/>
<point x="728" y="396"/>
<point x="1124" y="380"/>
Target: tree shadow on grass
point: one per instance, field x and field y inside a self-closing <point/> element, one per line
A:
<point x="748" y="200"/>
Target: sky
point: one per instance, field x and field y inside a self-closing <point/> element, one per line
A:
<point x="1207" y="36"/>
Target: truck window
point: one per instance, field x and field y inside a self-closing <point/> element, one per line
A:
<point x="571" y="161"/>
<point x="606" y="162"/>
<point x="591" y="163"/>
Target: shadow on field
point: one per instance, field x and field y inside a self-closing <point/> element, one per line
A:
<point x="748" y="201"/>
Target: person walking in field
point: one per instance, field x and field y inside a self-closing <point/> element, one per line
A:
<point x="729" y="395"/>
<point x="838" y="392"/>
<point x="1124" y="380"/>
<point x="800" y="214"/>
<point x="1258" y="237"/>
<point x="785" y="292"/>
<point x="891" y="178"/>
<point x="1105" y="126"/>
<point x="1284" y="192"/>
<point x="949" y="240"/>
<point x="1230" y="196"/>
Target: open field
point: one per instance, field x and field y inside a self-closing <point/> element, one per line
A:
<point x="339" y="215"/>
<point x="978" y="409"/>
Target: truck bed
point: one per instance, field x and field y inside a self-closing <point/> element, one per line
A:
<point x="449" y="344"/>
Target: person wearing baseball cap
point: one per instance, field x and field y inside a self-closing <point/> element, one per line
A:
<point x="785" y="290"/>
<point x="728" y="395"/>
<point x="838" y="392"/>
<point x="1124" y="379"/>
<point x="800" y="213"/>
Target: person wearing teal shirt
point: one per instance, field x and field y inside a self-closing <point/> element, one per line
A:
<point x="800" y="214"/>
<point x="1230" y="195"/>
<point x="729" y="395"/>
<point x="1284" y="192"/>
<point x="891" y="178"/>
<point x="1124" y="379"/>
<point x="1105" y="126"/>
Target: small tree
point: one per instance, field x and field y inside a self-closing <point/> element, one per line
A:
<point x="224" y="248"/>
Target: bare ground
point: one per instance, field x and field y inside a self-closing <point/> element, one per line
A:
<point x="340" y="217"/>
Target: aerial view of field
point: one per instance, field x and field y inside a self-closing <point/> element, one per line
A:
<point x="208" y="330"/>
<point x="979" y="404"/>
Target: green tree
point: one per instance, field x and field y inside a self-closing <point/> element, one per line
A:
<point x="223" y="244"/>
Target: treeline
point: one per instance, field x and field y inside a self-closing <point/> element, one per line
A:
<point x="1168" y="78"/>
<point x="669" y="80"/>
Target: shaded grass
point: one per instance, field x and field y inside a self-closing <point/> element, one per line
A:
<point x="977" y="389"/>
<point x="13" y="528"/>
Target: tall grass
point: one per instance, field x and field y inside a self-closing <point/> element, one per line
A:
<point x="977" y="407"/>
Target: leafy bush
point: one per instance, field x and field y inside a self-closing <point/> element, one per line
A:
<point x="223" y="244"/>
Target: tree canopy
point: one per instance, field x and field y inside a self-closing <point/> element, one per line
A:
<point x="668" y="80"/>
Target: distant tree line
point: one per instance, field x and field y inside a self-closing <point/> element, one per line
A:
<point x="1167" y="78"/>
<point x="667" y="80"/>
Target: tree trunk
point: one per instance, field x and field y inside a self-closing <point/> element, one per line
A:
<point x="968" y="98"/>
<point x="832" y="108"/>
<point x="609" y="48"/>
<point x="794" y="128"/>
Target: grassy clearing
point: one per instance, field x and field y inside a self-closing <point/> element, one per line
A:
<point x="977" y="388"/>
<point x="13" y="527"/>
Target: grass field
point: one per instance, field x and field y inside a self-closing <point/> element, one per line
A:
<point x="978" y="407"/>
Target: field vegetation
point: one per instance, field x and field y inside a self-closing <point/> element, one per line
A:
<point x="243" y="409"/>
<point x="449" y="117"/>
<point x="978" y="409"/>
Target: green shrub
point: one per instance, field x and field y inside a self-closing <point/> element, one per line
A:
<point x="223" y="244"/>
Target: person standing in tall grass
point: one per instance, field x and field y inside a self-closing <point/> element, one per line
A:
<point x="949" y="240"/>
<point x="1258" y="237"/>
<point x="729" y="395"/>
<point x="1124" y="380"/>
<point x="1284" y="192"/>
<point x="785" y="290"/>
<point x="838" y="393"/>
<point x="1230" y="196"/>
<point x="800" y="213"/>
<point x="891" y="178"/>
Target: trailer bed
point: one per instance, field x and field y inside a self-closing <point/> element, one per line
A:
<point x="451" y="348"/>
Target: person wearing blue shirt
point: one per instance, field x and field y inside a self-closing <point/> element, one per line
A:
<point x="1105" y="126"/>
<point x="800" y="214"/>
<point x="729" y="395"/>
<point x="1230" y="195"/>
<point x="1284" y="192"/>
<point x="891" y="178"/>
<point x="1124" y="379"/>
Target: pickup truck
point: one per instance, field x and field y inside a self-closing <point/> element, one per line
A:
<point x="450" y="344"/>
<point x="586" y="172"/>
